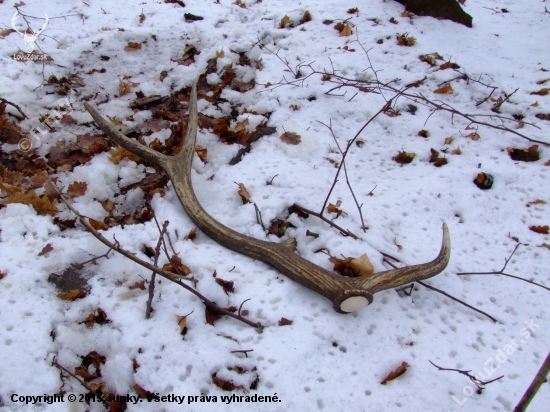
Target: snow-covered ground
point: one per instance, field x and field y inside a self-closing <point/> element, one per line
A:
<point x="323" y="360"/>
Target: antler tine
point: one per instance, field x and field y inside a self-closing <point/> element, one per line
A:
<point x="346" y="294"/>
<point x="133" y="147"/>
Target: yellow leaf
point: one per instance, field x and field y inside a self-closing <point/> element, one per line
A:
<point x="220" y="54"/>
<point x="447" y="89"/>
<point x="542" y="92"/>
<point x="245" y="196"/>
<point x="284" y="22"/>
<point x="346" y="31"/>
<point x="42" y="204"/>
<point x="362" y="265"/>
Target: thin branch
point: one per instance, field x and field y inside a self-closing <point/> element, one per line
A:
<point x="81" y="264"/>
<point x="14" y="105"/>
<point x="501" y="272"/>
<point x="479" y="383"/>
<point x="532" y="390"/>
<point x="168" y="275"/>
<point x="162" y="231"/>
<point x="456" y="300"/>
<point x="345" y="232"/>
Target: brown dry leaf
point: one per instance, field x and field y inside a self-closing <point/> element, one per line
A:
<point x="45" y="249"/>
<point x="182" y="323"/>
<point x="163" y="75"/>
<point x="243" y="193"/>
<point x="423" y="133"/>
<point x="449" y="140"/>
<point x="344" y="267"/>
<point x="3" y="275"/>
<point x="404" y="157"/>
<point x="141" y="17"/>
<point x="290" y="138"/>
<point x="542" y="92"/>
<point x="362" y="265"/>
<point x="441" y="162"/>
<point x="547" y="163"/>
<point x="434" y="155"/>
<point x="449" y="65"/>
<point x="525" y="155"/>
<point x="132" y="46"/>
<point x="115" y="121"/>
<point x="6" y="32"/>
<point x="543" y="230"/>
<point x="545" y="245"/>
<point x="42" y="204"/>
<point x="85" y="374"/>
<point x="119" y="153"/>
<point x="284" y="22"/>
<point x="346" y="31"/>
<point x="405" y="40"/>
<point x="536" y="104"/>
<point x="397" y="372"/>
<point x="284" y="322"/>
<point x="543" y="81"/>
<point x="192" y="234"/>
<point x="447" y="89"/>
<point x="457" y="151"/>
<point x="428" y="59"/>
<point x="98" y="316"/>
<point x="77" y="189"/>
<point x="240" y="4"/>
<point x="225" y="384"/>
<point x="305" y="18"/>
<point x="125" y="88"/>
<point x="175" y="260"/>
<point x="294" y="107"/>
<point x="278" y="227"/>
<point x="202" y="152"/>
<point x="97" y="225"/>
<point x="227" y="285"/>
<point x="220" y="54"/>
<point x="536" y="202"/>
<point x="72" y="295"/>
<point x="335" y="208"/>
<point x="212" y="314"/>
<point x="138" y="285"/>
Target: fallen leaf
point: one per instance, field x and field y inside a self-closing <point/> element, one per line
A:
<point x="132" y="46"/>
<point x="543" y="81"/>
<point x="41" y="204"/>
<point x="227" y="285"/>
<point x="305" y="18"/>
<point x="449" y="140"/>
<point x="536" y="202"/>
<point x="423" y="133"/>
<point x="202" y="152"/>
<point x="543" y="230"/>
<point x="3" y="275"/>
<point x="192" y="234"/>
<point x="46" y="249"/>
<point x="441" y="162"/>
<point x="141" y="17"/>
<point x="163" y="75"/>
<point x="449" y="65"/>
<point x="542" y="92"/>
<point x="525" y="155"/>
<point x="97" y="225"/>
<point x="138" y="285"/>
<point x="71" y="295"/>
<point x="98" y="317"/>
<point x="362" y="265"/>
<point x="119" y="153"/>
<point x="484" y="181"/>
<point x="346" y="31"/>
<point x="225" y="385"/>
<point x="405" y="40"/>
<point x="77" y="189"/>
<point x="182" y="323"/>
<point x="404" y="157"/>
<point x="397" y="372"/>
<point x="335" y="208"/>
<point x="284" y="322"/>
<point x="278" y="227"/>
<point x="243" y="193"/>
<point x="447" y="89"/>
<point x="434" y="155"/>
<point x="290" y="138"/>
<point x="284" y="22"/>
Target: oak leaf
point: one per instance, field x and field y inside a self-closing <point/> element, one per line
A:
<point x="77" y="189"/>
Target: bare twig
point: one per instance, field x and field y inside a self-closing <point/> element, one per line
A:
<point x="245" y="351"/>
<point x="479" y="383"/>
<point x="345" y="232"/>
<point x="81" y="264"/>
<point x="2" y="100"/>
<point x="532" y="390"/>
<point x="162" y="231"/>
<point x="259" y="217"/>
<point x="501" y="271"/>
<point x="168" y="275"/>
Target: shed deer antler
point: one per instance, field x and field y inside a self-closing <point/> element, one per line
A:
<point x="346" y="294"/>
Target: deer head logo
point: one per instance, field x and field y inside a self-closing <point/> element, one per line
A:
<point x="28" y="38"/>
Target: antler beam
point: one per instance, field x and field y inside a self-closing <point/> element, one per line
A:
<point x="346" y="294"/>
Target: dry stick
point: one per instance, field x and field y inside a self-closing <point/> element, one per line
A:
<point x="168" y="275"/>
<point x="532" y="390"/>
<point x="81" y="264"/>
<point x="479" y="383"/>
<point x="449" y="296"/>
<point x="81" y="381"/>
<point x="501" y="271"/>
<point x="383" y="109"/>
<point x="14" y="105"/>
<point x="345" y="232"/>
<point x="149" y="307"/>
<point x="346" y="172"/>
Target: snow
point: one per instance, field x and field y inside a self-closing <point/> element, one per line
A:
<point x="324" y="360"/>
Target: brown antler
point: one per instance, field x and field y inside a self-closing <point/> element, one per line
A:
<point x="346" y="294"/>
